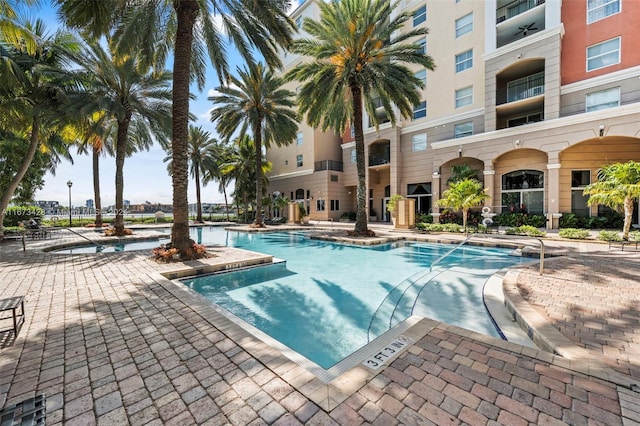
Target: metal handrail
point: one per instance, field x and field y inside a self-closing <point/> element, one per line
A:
<point x="98" y="245"/>
<point x="451" y="251"/>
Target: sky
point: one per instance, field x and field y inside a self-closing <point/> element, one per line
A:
<point x="145" y="174"/>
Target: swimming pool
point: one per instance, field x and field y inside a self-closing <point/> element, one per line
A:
<point x="328" y="300"/>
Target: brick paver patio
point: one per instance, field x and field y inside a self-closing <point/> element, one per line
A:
<point x="111" y="344"/>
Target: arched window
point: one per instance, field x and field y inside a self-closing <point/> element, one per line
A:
<point x="523" y="192"/>
<point x="299" y="194"/>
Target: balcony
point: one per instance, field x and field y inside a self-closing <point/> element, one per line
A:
<point x="380" y="153"/>
<point x="522" y="88"/>
<point x="319" y="166"/>
<point x="518" y="19"/>
<point x="378" y="160"/>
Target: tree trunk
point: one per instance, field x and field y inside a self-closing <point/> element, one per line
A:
<point x="257" y="137"/>
<point x="96" y="186"/>
<point x="198" y="200"/>
<point x="186" y="13"/>
<point x="628" y="217"/>
<point x="226" y="204"/>
<point x="361" y="193"/>
<point x="465" y="212"/>
<point x="121" y="153"/>
<point x="26" y="162"/>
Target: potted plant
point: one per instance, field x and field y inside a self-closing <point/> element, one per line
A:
<point x="304" y="216"/>
<point x="392" y="205"/>
<point x="373" y="215"/>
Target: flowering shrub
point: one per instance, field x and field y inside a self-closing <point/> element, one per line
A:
<point x="164" y="253"/>
<point x="167" y="253"/>
<point x="111" y="232"/>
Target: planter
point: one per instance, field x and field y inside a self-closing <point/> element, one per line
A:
<point x="373" y="218"/>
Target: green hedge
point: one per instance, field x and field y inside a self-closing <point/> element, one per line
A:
<point x="520" y="219"/>
<point x="611" y="220"/>
<point x="22" y="214"/>
<point x="528" y="230"/>
<point x="574" y="233"/>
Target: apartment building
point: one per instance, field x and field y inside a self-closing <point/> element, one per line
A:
<point x="535" y="95"/>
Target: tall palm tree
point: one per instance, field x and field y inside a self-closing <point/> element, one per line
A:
<point x="213" y="170"/>
<point x="462" y="172"/>
<point x="255" y="100"/>
<point x="11" y="30"/>
<point x="463" y="195"/>
<point x="201" y="152"/>
<point x="124" y="89"/>
<point x="262" y="25"/>
<point x="33" y="86"/>
<point x="358" y="49"/>
<point x="618" y="186"/>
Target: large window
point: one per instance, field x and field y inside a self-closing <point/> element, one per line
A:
<point x="464" y="25"/>
<point x="299" y="161"/>
<point x="579" y="180"/>
<point x="299" y="138"/>
<point x="419" y="142"/>
<point x="299" y="22"/>
<point x="523" y="191"/>
<point x="420" y="15"/>
<point x="464" y="96"/>
<point x="603" y="99"/>
<point x="422" y="46"/>
<point x="600" y="9"/>
<point x="464" y="60"/>
<point x="354" y="159"/>
<point x="461" y="130"/>
<point x="335" y="205"/>
<point x="603" y="54"/>
<point x="320" y="205"/>
<point x="420" y="110"/>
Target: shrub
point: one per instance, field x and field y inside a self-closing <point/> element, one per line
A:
<point x="520" y="219"/>
<point x="111" y="232"/>
<point x="634" y="236"/>
<point x="424" y="218"/>
<point x="574" y="233"/>
<point x="439" y="227"/>
<point x="22" y="214"/>
<point x="473" y="219"/>
<point x="528" y="230"/>
<point x="569" y="220"/>
<point x="609" y="236"/>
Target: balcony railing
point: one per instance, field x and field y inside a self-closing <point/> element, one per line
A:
<point x="515" y="8"/>
<point x="328" y="165"/>
<point x="376" y="160"/>
<point x="523" y="88"/>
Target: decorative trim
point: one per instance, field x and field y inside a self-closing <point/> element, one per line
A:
<point x="449" y="119"/>
<point x="527" y="41"/>
<point x="488" y="172"/>
<point x="291" y="175"/>
<point x="590" y="83"/>
<point x="553" y="166"/>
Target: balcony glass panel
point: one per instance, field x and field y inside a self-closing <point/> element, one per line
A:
<point x="515" y="8"/>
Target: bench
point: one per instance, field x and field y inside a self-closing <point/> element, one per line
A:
<point x="624" y="243"/>
<point x="31" y="411"/>
<point x="12" y="304"/>
<point x="16" y="237"/>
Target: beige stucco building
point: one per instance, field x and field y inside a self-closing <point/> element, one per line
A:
<point x="536" y="95"/>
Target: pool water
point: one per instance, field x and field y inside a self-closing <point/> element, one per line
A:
<point x="328" y="300"/>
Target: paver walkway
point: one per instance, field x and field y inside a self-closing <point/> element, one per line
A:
<point x="111" y="345"/>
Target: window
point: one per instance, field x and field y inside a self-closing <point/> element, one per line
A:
<point x="464" y="97"/>
<point x="334" y="178"/>
<point x="354" y="158"/>
<point x="464" y="25"/>
<point x="463" y="129"/>
<point x="353" y="132"/>
<point x="335" y="205"/>
<point x="603" y="99"/>
<point x="600" y="9"/>
<point x="320" y="205"/>
<point x="579" y="180"/>
<point x="299" y="160"/>
<point x="419" y="142"/>
<point x="299" y="22"/>
<point x="523" y="192"/>
<point x="421" y="192"/>
<point x="464" y="60"/>
<point x="420" y="110"/>
<point x="422" y="46"/>
<point x="422" y="76"/>
<point x="299" y="138"/>
<point x="519" y="121"/>
<point x="420" y="15"/>
<point x="603" y="54"/>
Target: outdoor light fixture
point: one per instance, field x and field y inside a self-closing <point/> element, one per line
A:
<point x="601" y="128"/>
<point x="459" y="152"/>
<point x="69" y="184"/>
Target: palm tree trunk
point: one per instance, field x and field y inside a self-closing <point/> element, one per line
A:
<point x="26" y="162"/>
<point x="226" y="204"/>
<point x="257" y="135"/>
<point x="186" y="12"/>
<point x="198" y="200"/>
<point x="628" y="216"/>
<point x="121" y="147"/>
<point x="96" y="186"/>
<point x="361" y="193"/>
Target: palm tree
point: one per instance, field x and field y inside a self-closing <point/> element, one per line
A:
<point x="462" y="172"/>
<point x="358" y="50"/>
<point x="618" y="186"/>
<point x="463" y="195"/>
<point x="213" y="170"/>
<point x="201" y="152"/>
<point x="256" y="100"/>
<point x="124" y="89"/>
<point x="262" y="25"/>
<point x="33" y="85"/>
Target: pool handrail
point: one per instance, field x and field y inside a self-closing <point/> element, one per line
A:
<point x="98" y="245"/>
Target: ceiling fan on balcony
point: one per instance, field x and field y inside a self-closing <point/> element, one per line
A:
<point x="525" y="29"/>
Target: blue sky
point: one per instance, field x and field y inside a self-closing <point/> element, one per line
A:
<point x="145" y="175"/>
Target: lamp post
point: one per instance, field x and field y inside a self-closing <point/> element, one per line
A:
<point x="69" y="184"/>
